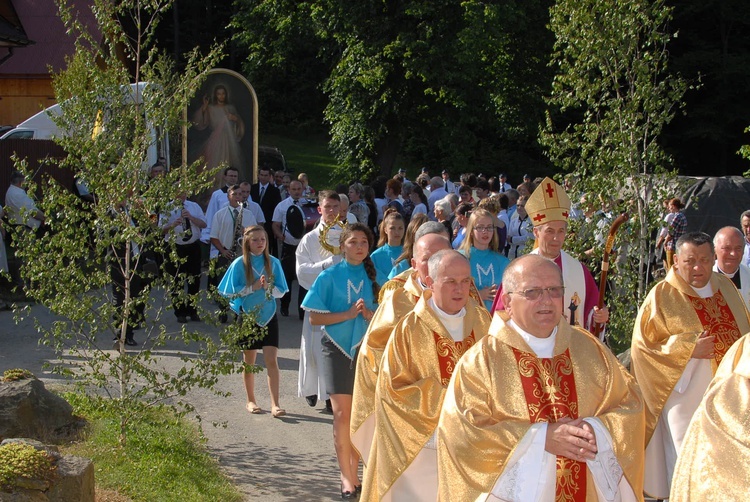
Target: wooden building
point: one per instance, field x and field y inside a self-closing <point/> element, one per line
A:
<point x="32" y="40"/>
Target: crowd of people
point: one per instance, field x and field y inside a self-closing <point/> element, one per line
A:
<point x="448" y="331"/>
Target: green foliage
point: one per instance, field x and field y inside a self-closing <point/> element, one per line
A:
<point x="745" y="152"/>
<point x="15" y="374"/>
<point x="164" y="459"/>
<point x="19" y="461"/>
<point x="116" y="98"/>
<point x="448" y="84"/>
<point x="611" y="97"/>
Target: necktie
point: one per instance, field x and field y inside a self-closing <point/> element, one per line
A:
<point x="262" y="193"/>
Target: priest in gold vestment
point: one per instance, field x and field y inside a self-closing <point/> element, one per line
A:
<point x="684" y="327"/>
<point x="416" y="367"/>
<point x="714" y="464"/>
<point x="539" y="410"/>
<point x="397" y="298"/>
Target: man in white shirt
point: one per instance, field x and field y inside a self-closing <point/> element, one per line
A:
<point x="437" y="192"/>
<point x="219" y="200"/>
<point x="503" y="181"/>
<point x="226" y="237"/>
<point x="21" y="208"/>
<point x="449" y="186"/>
<point x="182" y="226"/>
<point x="312" y="258"/>
<point x="288" y="230"/>
<point x="249" y="203"/>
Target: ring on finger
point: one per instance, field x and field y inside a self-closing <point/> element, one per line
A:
<point x="580" y="450"/>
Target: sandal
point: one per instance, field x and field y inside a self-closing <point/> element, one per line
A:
<point x="253" y="408"/>
<point x="278" y="412"/>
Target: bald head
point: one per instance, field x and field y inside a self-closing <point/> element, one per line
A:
<point x="729" y="246"/>
<point x="532" y="294"/>
<point x="425" y="247"/>
<point x="450" y="280"/>
<point x="526" y="264"/>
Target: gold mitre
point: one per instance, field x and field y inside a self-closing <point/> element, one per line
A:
<point x="549" y="202"/>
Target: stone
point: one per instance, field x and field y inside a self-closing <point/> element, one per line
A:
<point x="74" y="482"/>
<point x="52" y="450"/>
<point x="27" y="408"/>
<point x="24" y="496"/>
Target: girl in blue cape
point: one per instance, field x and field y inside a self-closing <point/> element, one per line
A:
<point x="252" y="283"/>
<point x="481" y="247"/>
<point x="403" y="262"/>
<point x="390" y="244"/>
<point x="342" y="300"/>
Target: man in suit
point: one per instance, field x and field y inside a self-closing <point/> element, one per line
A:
<point x="268" y="197"/>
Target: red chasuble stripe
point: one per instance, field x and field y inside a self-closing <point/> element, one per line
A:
<point x="717" y="318"/>
<point x="449" y="352"/>
<point x="550" y="390"/>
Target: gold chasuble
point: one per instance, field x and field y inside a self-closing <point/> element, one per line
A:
<point x="417" y="365"/>
<point x="667" y="328"/>
<point x="714" y="464"/>
<point x="397" y="298"/>
<point x="500" y="388"/>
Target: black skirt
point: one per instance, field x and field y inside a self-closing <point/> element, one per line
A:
<point x="337" y="369"/>
<point x="261" y="336"/>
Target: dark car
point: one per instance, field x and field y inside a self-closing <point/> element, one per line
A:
<point x="270" y="156"/>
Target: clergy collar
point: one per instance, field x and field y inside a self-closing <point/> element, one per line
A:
<point x="718" y="269"/>
<point x="443" y="314"/>
<point x="705" y="292"/>
<point x="542" y="347"/>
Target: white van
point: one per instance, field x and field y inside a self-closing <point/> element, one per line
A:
<point x="41" y="126"/>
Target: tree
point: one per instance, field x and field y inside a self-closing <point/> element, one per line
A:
<point x="713" y="48"/>
<point x="611" y="97"/>
<point x="117" y="95"/>
<point x="444" y="83"/>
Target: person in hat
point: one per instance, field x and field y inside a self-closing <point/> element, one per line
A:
<point x="402" y="173"/>
<point x="548" y="208"/>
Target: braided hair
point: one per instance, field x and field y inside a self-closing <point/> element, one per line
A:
<point x="367" y="262"/>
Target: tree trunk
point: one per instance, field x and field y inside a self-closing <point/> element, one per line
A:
<point x="386" y="152"/>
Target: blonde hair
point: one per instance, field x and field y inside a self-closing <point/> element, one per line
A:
<point x="468" y="242"/>
<point x="246" y="256"/>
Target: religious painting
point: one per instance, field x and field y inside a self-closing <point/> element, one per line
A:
<point x="223" y="131"/>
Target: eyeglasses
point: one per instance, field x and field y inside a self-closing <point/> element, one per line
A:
<point x="484" y="229"/>
<point x="533" y="294"/>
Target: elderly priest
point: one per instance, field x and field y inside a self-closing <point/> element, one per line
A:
<point x="539" y="409"/>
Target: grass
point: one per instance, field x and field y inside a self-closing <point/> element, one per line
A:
<point x="309" y="154"/>
<point x="164" y="458"/>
